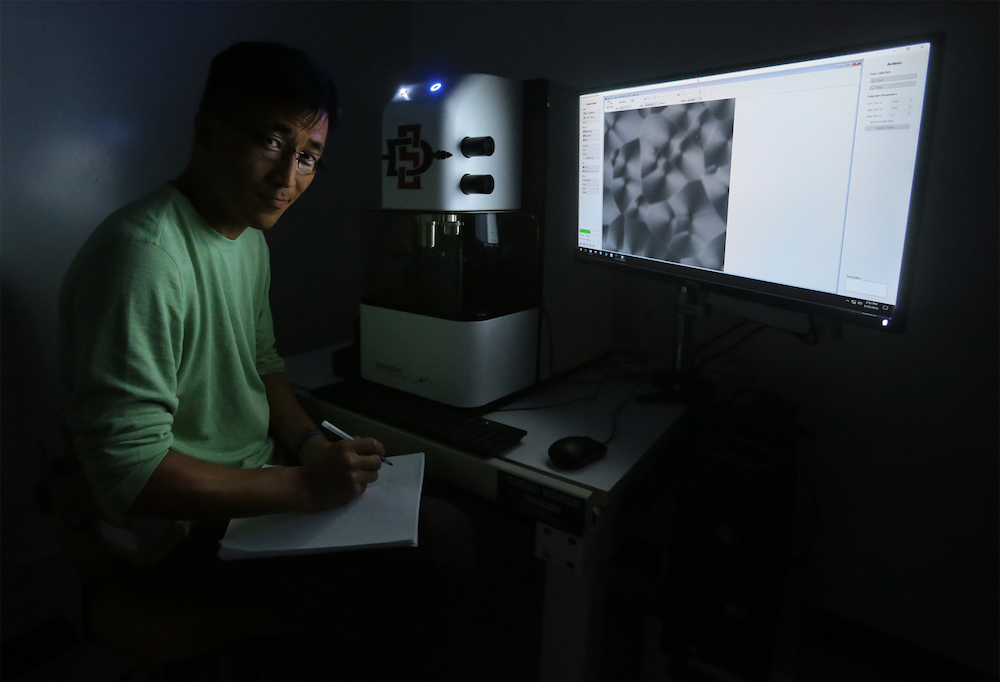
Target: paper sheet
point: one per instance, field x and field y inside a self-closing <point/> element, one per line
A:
<point x="385" y="515"/>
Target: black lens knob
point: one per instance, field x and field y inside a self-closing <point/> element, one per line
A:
<point x="478" y="146"/>
<point x="476" y="184"/>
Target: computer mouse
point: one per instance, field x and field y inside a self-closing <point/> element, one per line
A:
<point x="575" y="452"/>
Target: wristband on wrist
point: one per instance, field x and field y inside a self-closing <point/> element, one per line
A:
<point x="302" y="436"/>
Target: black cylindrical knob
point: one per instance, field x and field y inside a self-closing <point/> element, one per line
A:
<point x="478" y="146"/>
<point x="477" y="184"/>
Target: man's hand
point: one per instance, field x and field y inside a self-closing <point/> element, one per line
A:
<point x="334" y="473"/>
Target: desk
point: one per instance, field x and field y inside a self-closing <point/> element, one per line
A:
<point x="575" y="511"/>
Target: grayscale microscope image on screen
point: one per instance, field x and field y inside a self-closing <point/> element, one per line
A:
<point x="666" y="182"/>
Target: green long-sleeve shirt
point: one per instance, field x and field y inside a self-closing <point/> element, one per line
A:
<point x="165" y="331"/>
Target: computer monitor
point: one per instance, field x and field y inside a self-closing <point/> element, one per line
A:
<point x="794" y="183"/>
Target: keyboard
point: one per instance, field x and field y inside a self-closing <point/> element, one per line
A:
<point x="454" y="426"/>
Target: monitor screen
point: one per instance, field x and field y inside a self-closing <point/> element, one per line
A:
<point x="792" y="182"/>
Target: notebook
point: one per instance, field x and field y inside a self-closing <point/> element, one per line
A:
<point x="385" y="515"/>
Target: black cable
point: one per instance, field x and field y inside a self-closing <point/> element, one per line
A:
<point x="552" y="344"/>
<point x="811" y="337"/>
<point x="614" y="415"/>
<point x="637" y="377"/>
<point x="718" y="337"/>
<point x="756" y="331"/>
<point x="624" y="373"/>
<point x="568" y="402"/>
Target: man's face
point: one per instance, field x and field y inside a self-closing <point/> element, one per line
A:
<point x="254" y="167"/>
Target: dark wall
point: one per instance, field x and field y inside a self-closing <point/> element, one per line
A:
<point x="905" y="464"/>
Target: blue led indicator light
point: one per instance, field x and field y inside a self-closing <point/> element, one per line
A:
<point x="435" y="87"/>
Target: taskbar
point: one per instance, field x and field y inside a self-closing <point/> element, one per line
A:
<point x="709" y="276"/>
<point x="610" y="255"/>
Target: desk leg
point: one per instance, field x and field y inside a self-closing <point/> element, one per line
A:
<point x="572" y="621"/>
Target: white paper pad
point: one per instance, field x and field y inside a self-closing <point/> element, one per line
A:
<point x="386" y="515"/>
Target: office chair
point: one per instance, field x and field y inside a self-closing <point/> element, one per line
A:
<point x="167" y="639"/>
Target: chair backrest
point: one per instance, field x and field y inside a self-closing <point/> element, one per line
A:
<point x="139" y="540"/>
<point x="141" y="625"/>
<point x="65" y="492"/>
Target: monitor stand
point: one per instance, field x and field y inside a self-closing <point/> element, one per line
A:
<point x="682" y="383"/>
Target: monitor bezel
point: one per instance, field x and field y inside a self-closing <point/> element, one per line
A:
<point x="784" y="296"/>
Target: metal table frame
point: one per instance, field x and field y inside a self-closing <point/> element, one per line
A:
<point x="576" y="564"/>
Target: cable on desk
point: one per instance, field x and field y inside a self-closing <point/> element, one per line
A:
<point x="626" y="375"/>
<point x="600" y="384"/>
<point x="614" y="415"/>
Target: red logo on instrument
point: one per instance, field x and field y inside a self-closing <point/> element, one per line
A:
<point x="409" y="157"/>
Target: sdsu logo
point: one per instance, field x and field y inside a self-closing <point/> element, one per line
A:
<point x="409" y="157"/>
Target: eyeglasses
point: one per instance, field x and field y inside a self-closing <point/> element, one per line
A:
<point x="273" y="148"/>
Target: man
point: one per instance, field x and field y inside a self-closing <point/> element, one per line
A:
<point x="177" y="396"/>
<point x="168" y="350"/>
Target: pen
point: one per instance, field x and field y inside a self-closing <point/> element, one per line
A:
<point x="343" y="434"/>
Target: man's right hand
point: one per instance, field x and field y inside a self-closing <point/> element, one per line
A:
<point x="334" y="473"/>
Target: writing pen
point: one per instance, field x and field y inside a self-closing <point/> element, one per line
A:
<point x="343" y="434"/>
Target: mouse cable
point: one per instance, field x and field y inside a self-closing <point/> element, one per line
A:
<point x="605" y="375"/>
<point x="618" y="367"/>
<point x="614" y="415"/>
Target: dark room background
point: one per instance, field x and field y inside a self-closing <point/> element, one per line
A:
<point x="97" y="107"/>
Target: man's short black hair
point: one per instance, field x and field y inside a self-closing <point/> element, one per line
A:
<point x="249" y="74"/>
